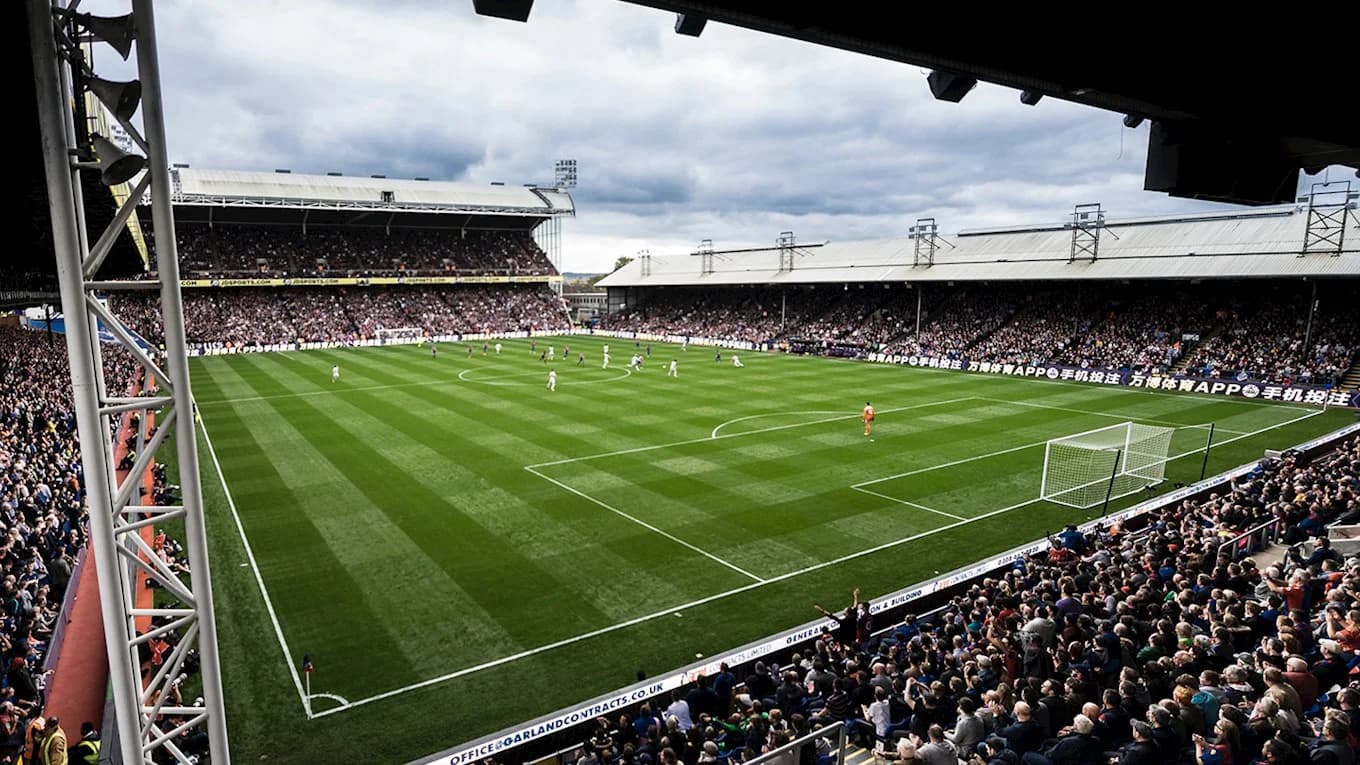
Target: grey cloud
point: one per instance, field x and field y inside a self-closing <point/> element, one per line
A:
<point x="734" y="136"/>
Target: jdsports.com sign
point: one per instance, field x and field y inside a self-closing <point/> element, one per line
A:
<point x="1298" y="394"/>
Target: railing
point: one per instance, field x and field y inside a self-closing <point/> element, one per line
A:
<point x="790" y="752"/>
<point x="1252" y="540"/>
<point x="835" y="734"/>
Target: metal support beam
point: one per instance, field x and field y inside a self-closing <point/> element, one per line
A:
<point x="146" y="733"/>
<point x="705" y="257"/>
<point x="1330" y="208"/>
<point x="1087" y="222"/>
<point x="786" y="243"/>
<point x="926" y="237"/>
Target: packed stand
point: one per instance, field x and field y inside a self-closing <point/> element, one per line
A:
<point x="1273" y="343"/>
<point x="1159" y="646"/>
<point x="1044" y="325"/>
<point x="749" y="315"/>
<point x="1146" y="335"/>
<point x="278" y="251"/>
<point x="247" y="317"/>
<point x="956" y="322"/>
<point x="43" y="518"/>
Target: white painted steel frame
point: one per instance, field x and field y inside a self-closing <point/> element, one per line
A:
<point x="122" y="558"/>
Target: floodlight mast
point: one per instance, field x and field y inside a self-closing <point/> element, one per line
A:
<point x="117" y="512"/>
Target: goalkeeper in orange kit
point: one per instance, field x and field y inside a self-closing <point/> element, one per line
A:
<point x="868" y="418"/>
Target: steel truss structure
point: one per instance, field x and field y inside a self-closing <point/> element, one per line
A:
<point x="926" y="236"/>
<point x="149" y="725"/>
<point x="1330" y="208"/>
<point x="786" y="244"/>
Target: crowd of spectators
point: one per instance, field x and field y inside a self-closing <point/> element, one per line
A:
<point x="1161" y="645"/>
<point x="279" y="251"/>
<point x="1045" y="324"/>
<point x="244" y="317"/>
<point x="1145" y="334"/>
<point x="42" y="519"/>
<point x="1150" y="330"/>
<point x="755" y="315"/>
<point x="1272" y="341"/>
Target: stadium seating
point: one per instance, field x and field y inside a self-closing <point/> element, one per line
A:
<point x="43" y="518"/>
<point x="251" y="316"/>
<point x="1152" y="329"/>
<point x="239" y="251"/>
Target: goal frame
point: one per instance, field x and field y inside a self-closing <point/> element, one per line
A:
<point x="1146" y="472"/>
<point x="399" y="335"/>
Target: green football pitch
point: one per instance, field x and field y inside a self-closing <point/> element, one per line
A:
<point x="459" y="549"/>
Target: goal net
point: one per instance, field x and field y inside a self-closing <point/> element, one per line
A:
<point x="1078" y="468"/>
<point x="399" y="335"/>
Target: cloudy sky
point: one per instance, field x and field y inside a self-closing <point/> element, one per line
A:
<point x="734" y="136"/>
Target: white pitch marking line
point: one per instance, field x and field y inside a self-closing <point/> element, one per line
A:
<point x="329" y="392"/>
<point x="499" y="380"/>
<point x="254" y="567"/>
<point x="1041" y="443"/>
<point x="910" y="504"/>
<point x="719" y="596"/>
<point x="647" y="525"/>
<point x="963" y="461"/>
<point x="739" y="435"/>
<point x="673" y="609"/>
<point x="332" y="697"/>
<point x="767" y="414"/>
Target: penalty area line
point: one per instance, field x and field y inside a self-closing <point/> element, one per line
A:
<point x="646" y="525"/>
<point x="666" y="612"/>
<point x="772" y="429"/>
<point x="910" y="504"/>
<point x="714" y="434"/>
<point x="712" y="598"/>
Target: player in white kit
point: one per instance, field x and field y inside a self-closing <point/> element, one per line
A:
<point x="335" y="373"/>
<point x="552" y="379"/>
<point x="736" y="362"/>
<point x="674" y="370"/>
<point x="606" y="358"/>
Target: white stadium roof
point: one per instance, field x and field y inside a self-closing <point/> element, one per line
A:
<point x="1258" y="243"/>
<point x="240" y="188"/>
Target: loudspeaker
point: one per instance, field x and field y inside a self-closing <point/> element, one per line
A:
<point x="122" y="98"/>
<point x="115" y="165"/>
<point x="947" y="86"/>
<point x="691" y="24"/>
<point x="117" y="31"/>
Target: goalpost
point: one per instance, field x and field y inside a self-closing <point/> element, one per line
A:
<point x="396" y="335"/>
<point x="1119" y="460"/>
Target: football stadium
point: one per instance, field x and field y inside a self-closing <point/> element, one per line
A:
<point x="306" y="467"/>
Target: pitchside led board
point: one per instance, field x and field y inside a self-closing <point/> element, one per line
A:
<point x="1299" y="394"/>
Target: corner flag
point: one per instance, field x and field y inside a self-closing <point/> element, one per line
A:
<point x="307" y="664"/>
